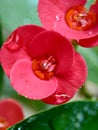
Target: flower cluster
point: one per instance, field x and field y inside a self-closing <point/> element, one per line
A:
<point x="41" y="62"/>
<point x="42" y="65"/>
<point x="71" y="19"/>
<point x="10" y="113"/>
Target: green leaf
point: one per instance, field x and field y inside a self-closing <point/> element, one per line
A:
<point x="72" y="116"/>
<point x="91" y="57"/>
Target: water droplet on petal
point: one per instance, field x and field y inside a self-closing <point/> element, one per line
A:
<point x="3" y="124"/>
<point x="13" y="42"/>
<point x="90" y="33"/>
<point x="58" y="17"/>
<point x="61" y="97"/>
<point x="34" y="98"/>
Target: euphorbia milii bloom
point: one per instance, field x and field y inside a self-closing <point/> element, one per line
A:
<point x="41" y="64"/>
<point x="71" y="19"/>
<point x="10" y="113"/>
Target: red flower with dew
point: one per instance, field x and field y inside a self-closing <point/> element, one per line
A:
<point x="10" y="113"/>
<point x="71" y="19"/>
<point x="42" y="65"/>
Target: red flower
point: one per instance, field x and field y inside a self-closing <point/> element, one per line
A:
<point x="42" y="64"/>
<point x="10" y="113"/>
<point x="71" y="19"/>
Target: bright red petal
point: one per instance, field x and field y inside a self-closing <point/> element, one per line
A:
<point x="47" y="13"/>
<point x="50" y="10"/>
<point x="89" y="42"/>
<point x="94" y="8"/>
<point x="28" y="32"/>
<point x="62" y="27"/>
<point x="52" y="15"/>
<point x="15" y="46"/>
<point x="11" y="111"/>
<point x="78" y="73"/>
<point x="63" y="94"/>
<point x="52" y="43"/>
<point x="27" y="84"/>
<point x="73" y="81"/>
<point x="9" y="57"/>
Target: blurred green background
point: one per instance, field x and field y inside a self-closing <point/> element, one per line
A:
<point x="14" y="13"/>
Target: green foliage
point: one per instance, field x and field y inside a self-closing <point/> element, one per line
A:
<point x="71" y="116"/>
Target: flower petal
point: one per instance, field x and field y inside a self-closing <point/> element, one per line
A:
<point x="65" y="5"/>
<point x="27" y="84"/>
<point x="89" y="42"/>
<point x="47" y="13"/>
<point x="62" y="27"/>
<point x="73" y="81"/>
<point x="78" y="73"/>
<point x="15" y="46"/>
<point x="52" y="15"/>
<point x="9" y="57"/>
<point x="63" y="94"/>
<point x="49" y="10"/>
<point x="94" y="8"/>
<point x="28" y="32"/>
<point x="11" y="111"/>
<point x="52" y="43"/>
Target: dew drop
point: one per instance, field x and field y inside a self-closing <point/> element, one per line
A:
<point x="77" y="125"/>
<point x="58" y="17"/>
<point x="13" y="43"/>
<point x="3" y="124"/>
<point x="90" y="33"/>
<point x="86" y="108"/>
<point x="19" y="128"/>
<point x="26" y="96"/>
<point x="80" y="117"/>
<point x="34" y="98"/>
<point x="61" y="97"/>
<point x="89" y="110"/>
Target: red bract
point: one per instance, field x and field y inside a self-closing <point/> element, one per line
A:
<point x="10" y="113"/>
<point x="71" y="19"/>
<point x="41" y="64"/>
